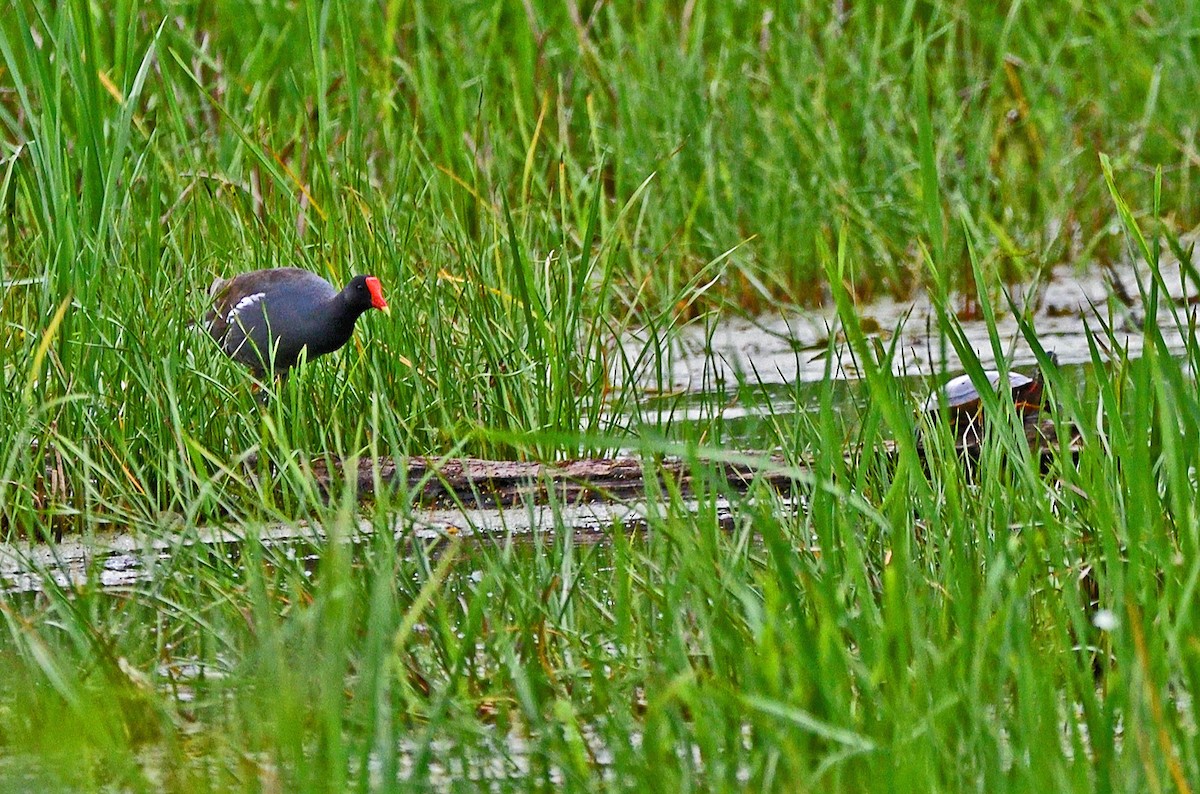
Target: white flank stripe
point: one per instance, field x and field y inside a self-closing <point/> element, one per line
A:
<point x="244" y="303"/>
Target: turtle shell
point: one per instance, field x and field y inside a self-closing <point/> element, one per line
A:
<point x="959" y="395"/>
<point x="964" y="409"/>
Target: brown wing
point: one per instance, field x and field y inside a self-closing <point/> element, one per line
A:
<point x="228" y="300"/>
<point x="219" y="305"/>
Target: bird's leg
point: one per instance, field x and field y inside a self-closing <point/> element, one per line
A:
<point x="259" y="388"/>
<point x="278" y="382"/>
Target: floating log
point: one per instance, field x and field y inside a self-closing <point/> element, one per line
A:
<point x="474" y="482"/>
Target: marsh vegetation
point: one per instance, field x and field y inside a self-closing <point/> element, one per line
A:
<point x="552" y="195"/>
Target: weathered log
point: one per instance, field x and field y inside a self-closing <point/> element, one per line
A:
<point x="473" y="482"/>
<point x="488" y="483"/>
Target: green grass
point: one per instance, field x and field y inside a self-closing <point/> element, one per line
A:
<point x="530" y="183"/>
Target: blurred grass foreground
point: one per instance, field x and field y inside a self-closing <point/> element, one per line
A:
<point x="530" y="181"/>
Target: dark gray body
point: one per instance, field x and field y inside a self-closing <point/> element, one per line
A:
<point x="264" y="319"/>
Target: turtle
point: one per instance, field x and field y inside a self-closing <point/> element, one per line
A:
<point x="964" y="407"/>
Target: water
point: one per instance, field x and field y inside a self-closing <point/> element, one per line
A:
<point x="789" y="349"/>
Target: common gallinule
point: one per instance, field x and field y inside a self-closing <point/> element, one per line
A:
<point x="265" y="318"/>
